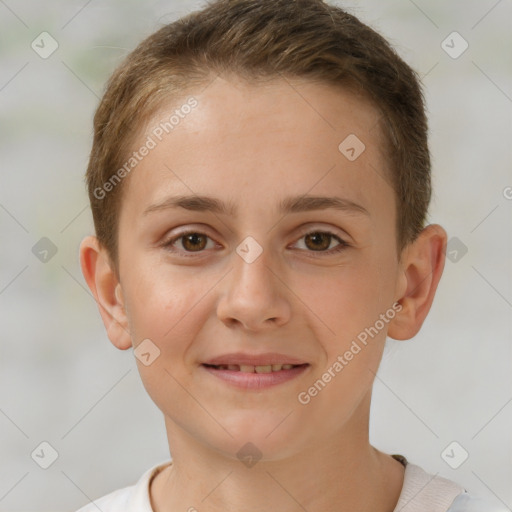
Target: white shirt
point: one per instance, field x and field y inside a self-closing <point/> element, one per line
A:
<point x="421" y="492"/>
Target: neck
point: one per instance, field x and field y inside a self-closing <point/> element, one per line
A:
<point x="342" y="474"/>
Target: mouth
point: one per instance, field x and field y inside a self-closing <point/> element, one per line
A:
<point x="247" y="368"/>
<point x="255" y="377"/>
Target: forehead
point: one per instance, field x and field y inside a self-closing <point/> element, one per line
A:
<point x="267" y="140"/>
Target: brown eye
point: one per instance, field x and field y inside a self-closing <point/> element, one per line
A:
<point x="318" y="241"/>
<point x="189" y="244"/>
<point x="321" y="243"/>
<point x="194" y="241"/>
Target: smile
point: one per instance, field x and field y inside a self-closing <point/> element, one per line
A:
<point x="247" y="368"/>
<point x="255" y="377"/>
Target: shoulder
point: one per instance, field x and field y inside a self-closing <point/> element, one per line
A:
<point x="467" y="503"/>
<point x="134" y="498"/>
<point x="423" y="491"/>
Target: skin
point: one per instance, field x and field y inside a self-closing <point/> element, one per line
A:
<point x="254" y="145"/>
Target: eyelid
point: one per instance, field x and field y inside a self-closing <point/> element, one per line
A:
<point x="331" y="230"/>
<point x="168" y="242"/>
<point x="303" y="231"/>
<point x="315" y="228"/>
<point x="342" y="243"/>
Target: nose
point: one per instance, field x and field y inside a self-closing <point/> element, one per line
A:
<point x="255" y="297"/>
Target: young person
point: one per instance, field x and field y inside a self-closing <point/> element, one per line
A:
<point x="259" y="181"/>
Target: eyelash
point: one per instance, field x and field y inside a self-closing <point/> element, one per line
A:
<point x="168" y="245"/>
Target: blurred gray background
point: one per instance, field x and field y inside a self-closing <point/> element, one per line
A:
<point x="63" y="383"/>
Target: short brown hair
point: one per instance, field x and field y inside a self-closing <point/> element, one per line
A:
<point x="256" y="40"/>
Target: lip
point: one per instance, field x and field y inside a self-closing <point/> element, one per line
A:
<point x="256" y="381"/>
<point x="254" y="359"/>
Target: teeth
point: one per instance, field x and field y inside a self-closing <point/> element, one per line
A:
<point x="263" y="369"/>
<point x="269" y="368"/>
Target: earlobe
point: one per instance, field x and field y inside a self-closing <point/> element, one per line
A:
<point x="106" y="289"/>
<point x="423" y="264"/>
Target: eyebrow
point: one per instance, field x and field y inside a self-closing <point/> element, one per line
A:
<point x="288" y="205"/>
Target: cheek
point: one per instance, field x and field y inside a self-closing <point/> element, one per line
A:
<point x="169" y="310"/>
<point x="346" y="299"/>
<point x="166" y="305"/>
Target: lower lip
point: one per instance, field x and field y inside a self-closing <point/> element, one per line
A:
<point x="256" y="381"/>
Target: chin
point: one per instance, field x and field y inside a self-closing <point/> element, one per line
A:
<point x="267" y="435"/>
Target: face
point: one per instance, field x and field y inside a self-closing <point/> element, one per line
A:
<point x="258" y="266"/>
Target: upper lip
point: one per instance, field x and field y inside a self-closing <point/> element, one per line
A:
<point x="254" y="360"/>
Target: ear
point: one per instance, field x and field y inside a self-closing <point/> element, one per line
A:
<point x="422" y="265"/>
<point x="106" y="289"/>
